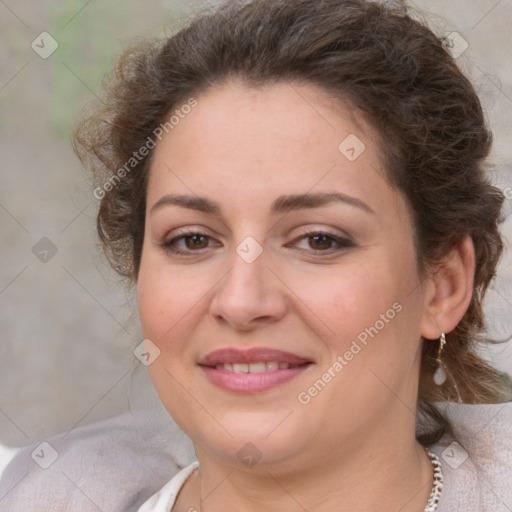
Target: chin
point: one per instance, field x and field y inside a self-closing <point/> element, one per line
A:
<point x="264" y="438"/>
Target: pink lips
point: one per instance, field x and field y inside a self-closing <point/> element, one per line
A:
<point x="252" y="355"/>
<point x="249" y="383"/>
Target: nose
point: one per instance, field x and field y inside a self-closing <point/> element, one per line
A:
<point x="249" y="296"/>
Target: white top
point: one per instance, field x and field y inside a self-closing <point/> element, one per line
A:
<point x="164" y="499"/>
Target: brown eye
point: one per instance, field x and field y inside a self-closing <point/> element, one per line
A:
<point x="188" y="243"/>
<point x="196" y="242"/>
<point x="320" y="242"/>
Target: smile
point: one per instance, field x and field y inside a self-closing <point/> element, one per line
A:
<point x="252" y="371"/>
<point x="261" y="367"/>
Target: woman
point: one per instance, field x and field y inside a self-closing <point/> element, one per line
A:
<point x="298" y="190"/>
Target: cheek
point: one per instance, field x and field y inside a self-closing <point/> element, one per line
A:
<point x="167" y="296"/>
<point x="169" y="303"/>
<point x="371" y="319"/>
<point x="350" y="297"/>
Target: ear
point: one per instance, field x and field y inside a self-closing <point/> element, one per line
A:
<point x="449" y="290"/>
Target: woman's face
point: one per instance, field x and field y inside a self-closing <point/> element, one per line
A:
<point x="278" y="280"/>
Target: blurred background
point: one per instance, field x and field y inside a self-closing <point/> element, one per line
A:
<point x="68" y="325"/>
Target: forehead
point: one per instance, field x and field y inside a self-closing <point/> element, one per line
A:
<point x="270" y="140"/>
<point x="283" y="113"/>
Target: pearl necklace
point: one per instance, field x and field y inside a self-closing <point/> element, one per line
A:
<point x="437" y="485"/>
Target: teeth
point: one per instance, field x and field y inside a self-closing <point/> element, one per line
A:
<point x="241" y="368"/>
<point x="226" y="366"/>
<point x="259" y="367"/>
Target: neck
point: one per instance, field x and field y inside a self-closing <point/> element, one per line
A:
<point x="385" y="476"/>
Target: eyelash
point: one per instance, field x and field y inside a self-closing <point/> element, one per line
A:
<point x="343" y="243"/>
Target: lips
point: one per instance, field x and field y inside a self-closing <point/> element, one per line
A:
<point x="253" y="355"/>
<point x="252" y="371"/>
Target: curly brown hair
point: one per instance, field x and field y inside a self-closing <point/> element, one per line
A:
<point x="392" y="69"/>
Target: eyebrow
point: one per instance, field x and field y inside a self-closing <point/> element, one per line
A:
<point x="283" y="204"/>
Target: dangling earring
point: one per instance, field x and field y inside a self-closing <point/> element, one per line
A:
<point x="440" y="373"/>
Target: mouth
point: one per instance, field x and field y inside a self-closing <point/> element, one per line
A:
<point x="251" y="371"/>
<point x="259" y="367"/>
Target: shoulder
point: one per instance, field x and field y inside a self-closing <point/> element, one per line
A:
<point x="113" y="463"/>
<point x="477" y="465"/>
<point x="164" y="499"/>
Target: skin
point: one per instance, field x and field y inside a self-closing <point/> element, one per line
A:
<point x="352" y="447"/>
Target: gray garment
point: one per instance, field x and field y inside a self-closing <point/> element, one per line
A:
<point x="116" y="464"/>
<point x="112" y="465"/>
<point x="107" y="466"/>
<point x="482" y="482"/>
